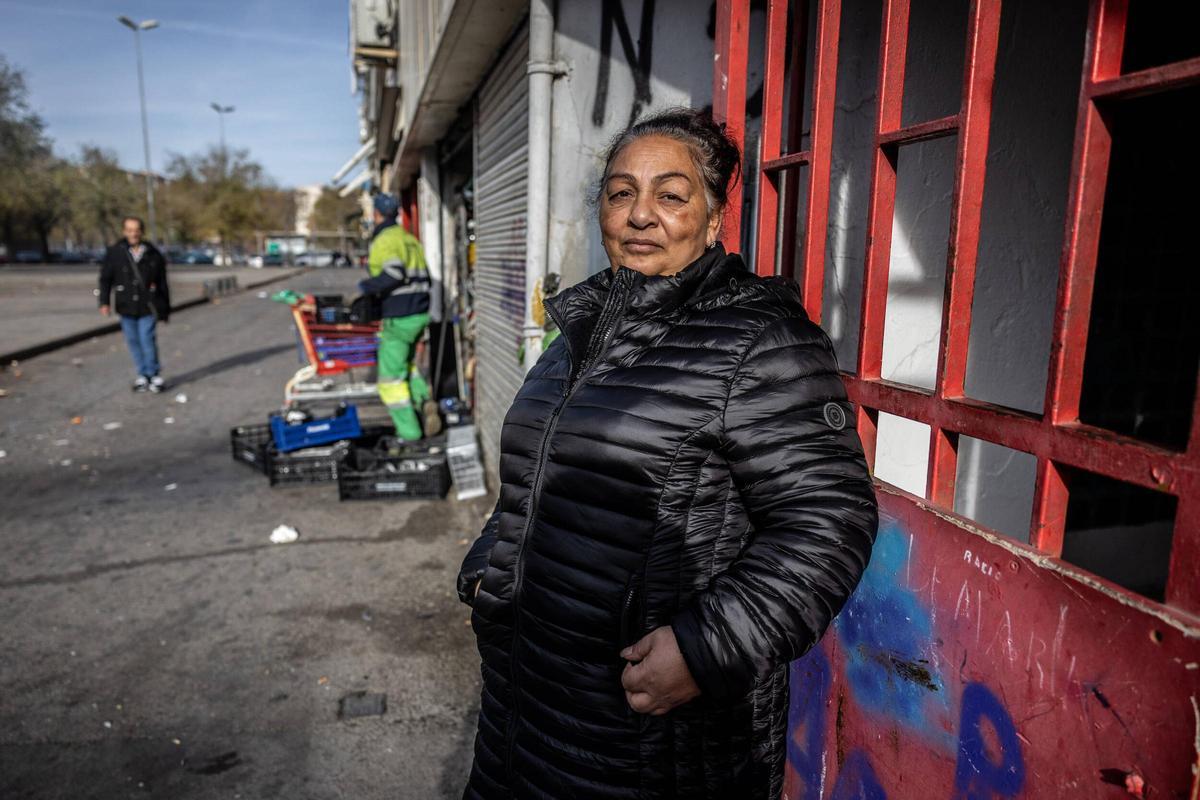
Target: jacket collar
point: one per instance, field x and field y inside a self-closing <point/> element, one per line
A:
<point x="387" y="223"/>
<point x="577" y="308"/>
<point x="711" y="272"/>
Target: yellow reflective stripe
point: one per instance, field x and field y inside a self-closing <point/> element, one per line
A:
<point x="393" y="393"/>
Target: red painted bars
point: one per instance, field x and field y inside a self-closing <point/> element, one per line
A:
<point x="772" y="133"/>
<point x="1057" y="439"/>
<point x="729" y="95"/>
<point x="825" y="61"/>
<point x="974" y="118"/>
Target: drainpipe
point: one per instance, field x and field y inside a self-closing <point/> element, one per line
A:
<point x="542" y="70"/>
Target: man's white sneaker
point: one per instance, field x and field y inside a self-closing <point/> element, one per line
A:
<point x="141" y="384"/>
<point x="157" y="384"/>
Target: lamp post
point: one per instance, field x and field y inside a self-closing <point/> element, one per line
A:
<point x="137" y="28"/>
<point x="221" y="112"/>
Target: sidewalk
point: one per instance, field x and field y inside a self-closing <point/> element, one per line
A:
<point x="157" y="644"/>
<point x="43" y="307"/>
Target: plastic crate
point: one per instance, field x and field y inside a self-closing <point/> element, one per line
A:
<point x="249" y="445"/>
<point x="406" y="472"/>
<point x="315" y="432"/>
<point x="308" y="465"/>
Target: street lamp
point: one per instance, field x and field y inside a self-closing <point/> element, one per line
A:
<point x="137" y="28"/>
<point x="221" y="112"/>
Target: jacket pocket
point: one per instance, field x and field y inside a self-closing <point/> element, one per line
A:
<point x="631" y="612"/>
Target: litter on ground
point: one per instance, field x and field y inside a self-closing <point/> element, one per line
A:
<point x="284" y="534"/>
<point x="111" y="426"/>
<point x="181" y="398"/>
<point x="170" y="487"/>
<point x="168" y="420"/>
<point x="362" y="704"/>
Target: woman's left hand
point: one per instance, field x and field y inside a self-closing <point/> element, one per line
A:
<point x="657" y="678"/>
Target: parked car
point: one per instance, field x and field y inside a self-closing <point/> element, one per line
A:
<point x="197" y="257"/>
<point x="28" y="257"/>
<point x="73" y="257"/>
<point x="315" y="258"/>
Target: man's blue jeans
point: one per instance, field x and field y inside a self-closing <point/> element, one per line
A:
<point x="139" y="335"/>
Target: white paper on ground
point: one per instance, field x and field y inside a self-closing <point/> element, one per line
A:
<point x="284" y="534"/>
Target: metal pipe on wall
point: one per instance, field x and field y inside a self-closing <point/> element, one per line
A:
<point x="542" y="70"/>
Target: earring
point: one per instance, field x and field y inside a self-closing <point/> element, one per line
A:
<point x="710" y="245"/>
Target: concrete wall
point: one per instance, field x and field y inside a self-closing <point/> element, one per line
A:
<point x="675" y="50"/>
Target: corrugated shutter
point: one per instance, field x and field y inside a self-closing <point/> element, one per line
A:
<point x="501" y="172"/>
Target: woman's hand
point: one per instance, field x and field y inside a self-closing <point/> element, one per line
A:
<point x="657" y="679"/>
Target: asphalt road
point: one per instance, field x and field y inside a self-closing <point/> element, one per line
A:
<point x="156" y="644"/>
<point x="42" y="302"/>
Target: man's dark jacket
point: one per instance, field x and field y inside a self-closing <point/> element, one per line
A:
<point x="684" y="455"/>
<point x="132" y="297"/>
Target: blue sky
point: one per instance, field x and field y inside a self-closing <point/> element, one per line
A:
<point x="282" y="63"/>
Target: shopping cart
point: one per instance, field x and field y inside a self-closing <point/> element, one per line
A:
<point x="330" y="349"/>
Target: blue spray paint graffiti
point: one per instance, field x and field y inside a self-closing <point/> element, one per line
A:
<point x="885" y="633"/>
<point x="885" y="629"/>
<point x="806" y="721"/>
<point x="857" y="780"/>
<point x="978" y="777"/>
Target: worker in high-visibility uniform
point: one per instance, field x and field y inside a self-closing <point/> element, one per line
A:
<point x="400" y="277"/>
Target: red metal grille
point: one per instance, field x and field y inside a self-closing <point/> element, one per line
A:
<point x="1056" y="438"/>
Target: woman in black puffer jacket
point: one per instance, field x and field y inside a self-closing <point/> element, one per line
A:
<point x="684" y="507"/>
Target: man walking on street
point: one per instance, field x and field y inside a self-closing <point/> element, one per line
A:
<point x="399" y="276"/>
<point x="136" y="273"/>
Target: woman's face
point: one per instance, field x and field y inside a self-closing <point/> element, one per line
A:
<point x="654" y="215"/>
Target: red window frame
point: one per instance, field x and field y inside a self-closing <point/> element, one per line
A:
<point x="1057" y="438"/>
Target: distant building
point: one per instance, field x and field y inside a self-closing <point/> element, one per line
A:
<point x="306" y="200"/>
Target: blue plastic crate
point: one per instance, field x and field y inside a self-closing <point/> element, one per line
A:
<point x="314" y="432"/>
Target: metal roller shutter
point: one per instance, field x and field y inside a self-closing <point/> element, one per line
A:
<point x="501" y="151"/>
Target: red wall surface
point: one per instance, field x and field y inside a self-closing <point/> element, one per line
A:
<point x="967" y="667"/>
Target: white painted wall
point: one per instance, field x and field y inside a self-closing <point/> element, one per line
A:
<point x="681" y="74"/>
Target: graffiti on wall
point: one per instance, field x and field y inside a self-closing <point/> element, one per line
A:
<point x="884" y="636"/>
<point x="957" y="671"/>
<point x="612" y="17"/>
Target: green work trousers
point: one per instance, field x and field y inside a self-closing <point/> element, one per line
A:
<point x="401" y="385"/>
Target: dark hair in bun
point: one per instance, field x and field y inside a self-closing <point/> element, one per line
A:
<point x="716" y="154"/>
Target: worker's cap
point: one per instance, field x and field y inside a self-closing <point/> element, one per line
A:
<point x="387" y="205"/>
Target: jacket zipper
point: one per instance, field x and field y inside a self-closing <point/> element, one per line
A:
<point x="628" y="629"/>
<point x="598" y="343"/>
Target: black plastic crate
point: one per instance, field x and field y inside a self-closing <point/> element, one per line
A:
<point x="310" y="465"/>
<point x="249" y="445"/>
<point x="395" y="472"/>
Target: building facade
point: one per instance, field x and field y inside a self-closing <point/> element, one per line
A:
<point x="985" y="204"/>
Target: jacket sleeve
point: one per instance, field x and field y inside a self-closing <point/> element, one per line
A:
<point x="163" y="287"/>
<point x="475" y="564"/>
<point x="106" y="278"/>
<point x="798" y="466"/>
<point x="392" y="277"/>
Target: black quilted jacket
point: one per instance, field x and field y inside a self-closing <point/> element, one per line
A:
<point x="682" y="455"/>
